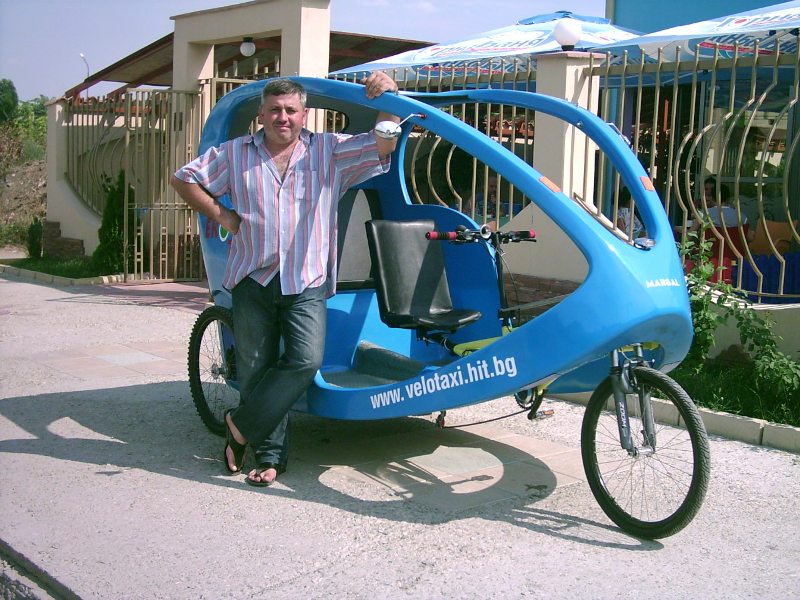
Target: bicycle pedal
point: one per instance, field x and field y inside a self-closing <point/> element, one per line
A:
<point x="541" y="414"/>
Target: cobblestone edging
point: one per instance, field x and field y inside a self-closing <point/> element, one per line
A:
<point x="57" y="280"/>
<point x="733" y="427"/>
<point x="22" y="580"/>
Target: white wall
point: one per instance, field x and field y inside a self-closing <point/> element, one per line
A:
<point x="786" y="318"/>
<point x="63" y="205"/>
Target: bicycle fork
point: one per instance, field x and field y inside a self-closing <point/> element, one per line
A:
<point x="624" y="382"/>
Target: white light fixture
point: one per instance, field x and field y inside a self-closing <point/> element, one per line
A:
<point x="247" y="47"/>
<point x="568" y="32"/>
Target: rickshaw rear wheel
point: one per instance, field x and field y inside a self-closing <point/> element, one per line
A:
<point x="212" y="367"/>
<point x="650" y="493"/>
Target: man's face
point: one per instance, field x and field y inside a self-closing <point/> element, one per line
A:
<point x="282" y="117"/>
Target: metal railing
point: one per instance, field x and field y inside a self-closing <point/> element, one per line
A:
<point x="95" y="131"/>
<point x="732" y="120"/>
<point x="163" y="134"/>
<point x="146" y="135"/>
<point x="439" y="172"/>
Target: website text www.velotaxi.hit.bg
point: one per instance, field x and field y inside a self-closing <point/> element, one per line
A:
<point x="471" y="372"/>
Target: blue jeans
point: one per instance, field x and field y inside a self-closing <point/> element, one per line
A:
<point x="271" y="382"/>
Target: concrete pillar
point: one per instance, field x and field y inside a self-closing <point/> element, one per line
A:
<point x="563" y="157"/>
<point x="303" y="25"/>
<point x="561" y="154"/>
<point x="192" y="61"/>
<point x="63" y="205"/>
<point x="305" y="41"/>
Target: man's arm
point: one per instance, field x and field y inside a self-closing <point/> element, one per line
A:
<point x="200" y="200"/>
<point x="376" y="84"/>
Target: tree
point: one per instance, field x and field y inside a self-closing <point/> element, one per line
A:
<point x="8" y="101"/>
<point x="111" y="253"/>
<point x="31" y="123"/>
<point x="39" y="105"/>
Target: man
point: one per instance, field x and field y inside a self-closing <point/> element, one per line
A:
<point x="724" y="211"/>
<point x="284" y="184"/>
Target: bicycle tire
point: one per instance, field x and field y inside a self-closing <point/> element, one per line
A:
<point x="648" y="495"/>
<point x="212" y="367"/>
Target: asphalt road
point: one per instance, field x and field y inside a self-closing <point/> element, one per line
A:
<point x="110" y="487"/>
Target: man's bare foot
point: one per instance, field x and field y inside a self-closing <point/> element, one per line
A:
<point x="265" y="475"/>
<point x="235" y="446"/>
<point x="230" y="458"/>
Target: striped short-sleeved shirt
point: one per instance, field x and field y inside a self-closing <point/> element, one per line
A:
<point x="288" y="226"/>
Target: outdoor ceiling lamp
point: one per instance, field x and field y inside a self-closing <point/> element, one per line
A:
<point x="568" y="33"/>
<point x="247" y="47"/>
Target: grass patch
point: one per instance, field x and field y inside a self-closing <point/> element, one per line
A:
<point x="75" y="268"/>
<point x="735" y="389"/>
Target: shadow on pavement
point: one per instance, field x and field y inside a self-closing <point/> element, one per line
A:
<point x="191" y="297"/>
<point x="154" y="428"/>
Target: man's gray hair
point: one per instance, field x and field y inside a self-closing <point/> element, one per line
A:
<point x="281" y="86"/>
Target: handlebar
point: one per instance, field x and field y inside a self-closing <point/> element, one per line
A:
<point x="462" y="234"/>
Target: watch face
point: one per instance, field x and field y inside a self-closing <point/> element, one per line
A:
<point x="388" y="130"/>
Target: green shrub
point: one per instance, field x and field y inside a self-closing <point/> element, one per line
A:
<point x="23" y="131"/>
<point x="766" y="386"/>
<point x="33" y="241"/>
<point x="32" y="150"/>
<point x="111" y="253"/>
<point x="735" y="389"/>
<point x="10" y="148"/>
<point x="31" y="125"/>
<point x="701" y="298"/>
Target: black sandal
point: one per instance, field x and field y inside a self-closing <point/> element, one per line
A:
<point x="279" y="470"/>
<point x="237" y="448"/>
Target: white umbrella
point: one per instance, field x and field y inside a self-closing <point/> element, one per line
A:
<point x="530" y="36"/>
<point x="768" y="26"/>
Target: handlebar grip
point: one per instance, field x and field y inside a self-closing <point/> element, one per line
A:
<point x="528" y="234"/>
<point x="441" y="235"/>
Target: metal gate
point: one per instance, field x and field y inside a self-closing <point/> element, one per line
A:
<point x="140" y="139"/>
<point x="163" y="130"/>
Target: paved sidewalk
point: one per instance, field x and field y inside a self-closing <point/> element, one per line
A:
<point x="111" y="487"/>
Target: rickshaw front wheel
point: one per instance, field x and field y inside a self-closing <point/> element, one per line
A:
<point x="656" y="488"/>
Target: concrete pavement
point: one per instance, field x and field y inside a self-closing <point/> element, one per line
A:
<point x="110" y="486"/>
